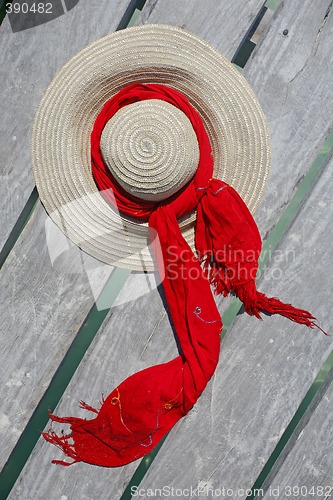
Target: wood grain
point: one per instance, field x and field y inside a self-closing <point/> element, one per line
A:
<point x="42" y="307"/>
<point x="265" y="368"/>
<point x="29" y="61"/>
<point x="292" y="79"/>
<point x="224" y="24"/>
<point x="125" y="343"/>
<point x="43" y="304"/>
<point x="136" y="334"/>
<point x="308" y="469"/>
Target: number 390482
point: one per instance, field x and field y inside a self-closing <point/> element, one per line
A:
<point x="24" y="8"/>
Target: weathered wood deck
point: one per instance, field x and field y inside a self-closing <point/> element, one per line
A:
<point x="265" y="420"/>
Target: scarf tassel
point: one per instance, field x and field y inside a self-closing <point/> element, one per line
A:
<point x="229" y="245"/>
<point x="62" y="441"/>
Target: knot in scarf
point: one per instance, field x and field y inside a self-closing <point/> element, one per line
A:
<point x="183" y="201"/>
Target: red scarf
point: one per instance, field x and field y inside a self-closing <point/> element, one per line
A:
<point x="143" y="408"/>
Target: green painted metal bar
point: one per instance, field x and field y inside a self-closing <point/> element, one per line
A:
<point x="19" y="226"/>
<point x="141" y="471"/>
<point x="272" y="4"/>
<point x="323" y="374"/>
<point x="60" y="381"/>
<point x="247" y="46"/>
<point x="3" y="9"/>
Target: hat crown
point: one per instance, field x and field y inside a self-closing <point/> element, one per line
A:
<point x="150" y="148"/>
<point x="148" y="54"/>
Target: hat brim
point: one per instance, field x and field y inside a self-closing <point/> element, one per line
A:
<point x="168" y="55"/>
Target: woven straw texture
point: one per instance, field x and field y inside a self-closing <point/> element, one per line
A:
<point x="148" y="54"/>
<point x="151" y="149"/>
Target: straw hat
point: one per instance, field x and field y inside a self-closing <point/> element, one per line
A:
<point x="150" y="146"/>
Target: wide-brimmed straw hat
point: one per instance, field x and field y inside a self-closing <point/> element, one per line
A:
<point x="150" y="147"/>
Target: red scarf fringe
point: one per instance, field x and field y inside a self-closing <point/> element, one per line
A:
<point x="229" y="244"/>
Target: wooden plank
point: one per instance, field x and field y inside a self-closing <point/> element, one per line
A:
<point x="224" y="24"/>
<point x="233" y="430"/>
<point x="43" y="305"/>
<point x="122" y="346"/>
<point x="135" y="335"/>
<point x="172" y="445"/>
<point x="291" y="78"/>
<point x="307" y="471"/>
<point x="265" y="368"/>
<point x="30" y="59"/>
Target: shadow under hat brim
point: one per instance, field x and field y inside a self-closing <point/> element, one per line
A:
<point x="168" y="55"/>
